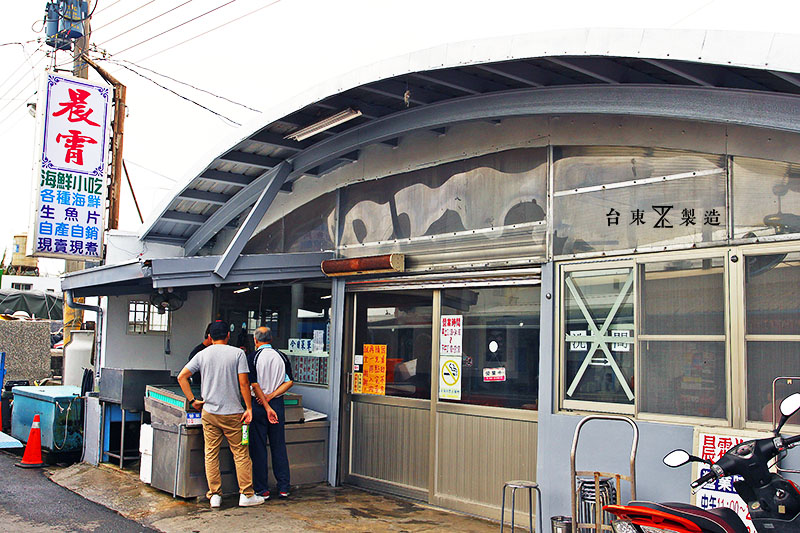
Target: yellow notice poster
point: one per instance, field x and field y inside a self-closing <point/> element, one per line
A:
<point x="374" y="369"/>
<point x="358" y="382"/>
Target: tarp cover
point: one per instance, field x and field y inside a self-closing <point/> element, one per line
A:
<point x="37" y="304"/>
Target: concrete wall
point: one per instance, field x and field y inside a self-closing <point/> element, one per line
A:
<point x="604" y="445"/>
<point x="123" y="350"/>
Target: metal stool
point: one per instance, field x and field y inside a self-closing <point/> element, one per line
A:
<point x="519" y="484"/>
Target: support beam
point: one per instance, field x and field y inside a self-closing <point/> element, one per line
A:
<point x="275" y="140"/>
<point x="461" y="81"/>
<point x="794" y="79"/>
<point x="583" y="70"/>
<point x="231" y="178"/>
<point x="511" y="71"/>
<point x="253" y="160"/>
<point x="185" y="218"/>
<point x="166" y="239"/>
<point x="718" y="106"/>
<point x="673" y="69"/>
<point x="207" y="197"/>
<point x="258" y="211"/>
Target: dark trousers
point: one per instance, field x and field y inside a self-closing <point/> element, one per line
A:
<point x="261" y="431"/>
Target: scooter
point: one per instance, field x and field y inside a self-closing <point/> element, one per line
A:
<point x="773" y="501"/>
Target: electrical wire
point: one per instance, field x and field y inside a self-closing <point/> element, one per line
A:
<point x="145" y="22"/>
<point x="87" y="17"/>
<point x="123" y="16"/>
<point x="175" y="27"/>
<point x="181" y="82"/>
<point x="180" y="95"/>
<point x="209" y="31"/>
<point x="109" y="5"/>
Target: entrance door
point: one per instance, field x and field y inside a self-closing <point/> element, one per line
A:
<point x="448" y="429"/>
<point x="390" y="392"/>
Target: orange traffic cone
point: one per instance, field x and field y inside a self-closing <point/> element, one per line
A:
<point x="32" y="458"/>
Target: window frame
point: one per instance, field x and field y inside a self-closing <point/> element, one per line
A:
<point x="733" y="364"/>
<point x="148" y="310"/>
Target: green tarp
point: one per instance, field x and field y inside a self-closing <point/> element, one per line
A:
<point x="37" y="304"/>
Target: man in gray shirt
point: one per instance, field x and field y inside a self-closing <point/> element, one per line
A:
<point x="225" y="377"/>
<point x="271" y="378"/>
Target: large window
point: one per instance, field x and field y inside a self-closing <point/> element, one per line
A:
<point x="298" y="315"/>
<point x="598" y="335"/>
<point x="682" y="338"/>
<point x="694" y="325"/>
<point x="772" y="310"/>
<point x="500" y="338"/>
<point x="394" y="328"/>
<point x="647" y="336"/>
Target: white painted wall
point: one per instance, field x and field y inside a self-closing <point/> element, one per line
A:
<point x="123" y="350"/>
<point x="39" y="283"/>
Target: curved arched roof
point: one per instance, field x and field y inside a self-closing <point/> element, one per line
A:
<point x="715" y="76"/>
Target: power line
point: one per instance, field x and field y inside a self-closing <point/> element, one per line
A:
<point x="182" y="83"/>
<point x="176" y="27"/>
<point x="22" y="78"/>
<point x="145" y="22"/>
<point x="209" y="31"/>
<point x="123" y="16"/>
<point x="109" y="5"/>
<point x="180" y="95"/>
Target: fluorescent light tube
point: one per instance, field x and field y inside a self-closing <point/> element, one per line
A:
<point x="324" y="124"/>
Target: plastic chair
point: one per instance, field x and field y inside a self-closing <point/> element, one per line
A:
<point x="520" y="484"/>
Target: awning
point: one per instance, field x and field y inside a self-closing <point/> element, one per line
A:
<point x="192" y="273"/>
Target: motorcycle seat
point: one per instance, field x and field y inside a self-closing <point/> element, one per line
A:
<point x="719" y="520"/>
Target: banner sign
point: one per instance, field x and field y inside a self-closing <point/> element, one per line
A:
<point x="720" y="492"/>
<point x="69" y="169"/>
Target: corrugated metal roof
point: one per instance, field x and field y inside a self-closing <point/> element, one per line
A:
<point x="548" y="60"/>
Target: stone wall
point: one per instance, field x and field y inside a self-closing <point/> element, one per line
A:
<point x="27" y="347"/>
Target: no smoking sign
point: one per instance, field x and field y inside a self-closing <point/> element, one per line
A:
<point x="450" y="378"/>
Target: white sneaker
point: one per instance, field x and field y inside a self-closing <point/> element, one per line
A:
<point x="255" y="499"/>
<point x="216" y="501"/>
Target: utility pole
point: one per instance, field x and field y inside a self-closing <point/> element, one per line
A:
<point x="73" y="318"/>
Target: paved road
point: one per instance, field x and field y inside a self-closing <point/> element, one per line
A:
<point x="31" y="503"/>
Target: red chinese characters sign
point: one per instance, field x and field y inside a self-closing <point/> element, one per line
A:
<point x="372" y="378"/>
<point x="70" y="169"/>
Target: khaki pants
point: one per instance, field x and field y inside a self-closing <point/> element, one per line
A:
<point x="214" y="427"/>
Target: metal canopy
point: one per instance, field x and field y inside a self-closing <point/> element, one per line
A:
<point x="136" y="277"/>
<point x="651" y="80"/>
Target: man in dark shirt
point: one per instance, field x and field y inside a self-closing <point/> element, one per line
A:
<point x="196" y="379"/>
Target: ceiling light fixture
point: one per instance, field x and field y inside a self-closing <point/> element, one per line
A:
<point x="324" y="124"/>
<point x="239" y="291"/>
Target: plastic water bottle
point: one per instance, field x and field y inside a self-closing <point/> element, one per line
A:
<point x="245" y="434"/>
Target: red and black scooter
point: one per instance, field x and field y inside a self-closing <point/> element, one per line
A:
<point x="773" y="501"/>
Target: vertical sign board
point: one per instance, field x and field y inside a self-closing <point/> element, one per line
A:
<point x="720" y="493"/>
<point x="369" y="375"/>
<point x="69" y="169"/>
<point x="451" y="335"/>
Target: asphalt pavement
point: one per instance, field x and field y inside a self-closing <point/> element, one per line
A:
<point x="30" y="502"/>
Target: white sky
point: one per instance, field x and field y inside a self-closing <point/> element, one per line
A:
<point x="273" y="52"/>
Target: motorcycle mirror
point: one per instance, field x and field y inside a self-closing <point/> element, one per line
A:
<point x="676" y="458"/>
<point x="789" y="406"/>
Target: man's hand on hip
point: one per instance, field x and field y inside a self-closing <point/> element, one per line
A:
<point x="247" y="416"/>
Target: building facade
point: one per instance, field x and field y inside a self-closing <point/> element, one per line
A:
<point x="608" y="229"/>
